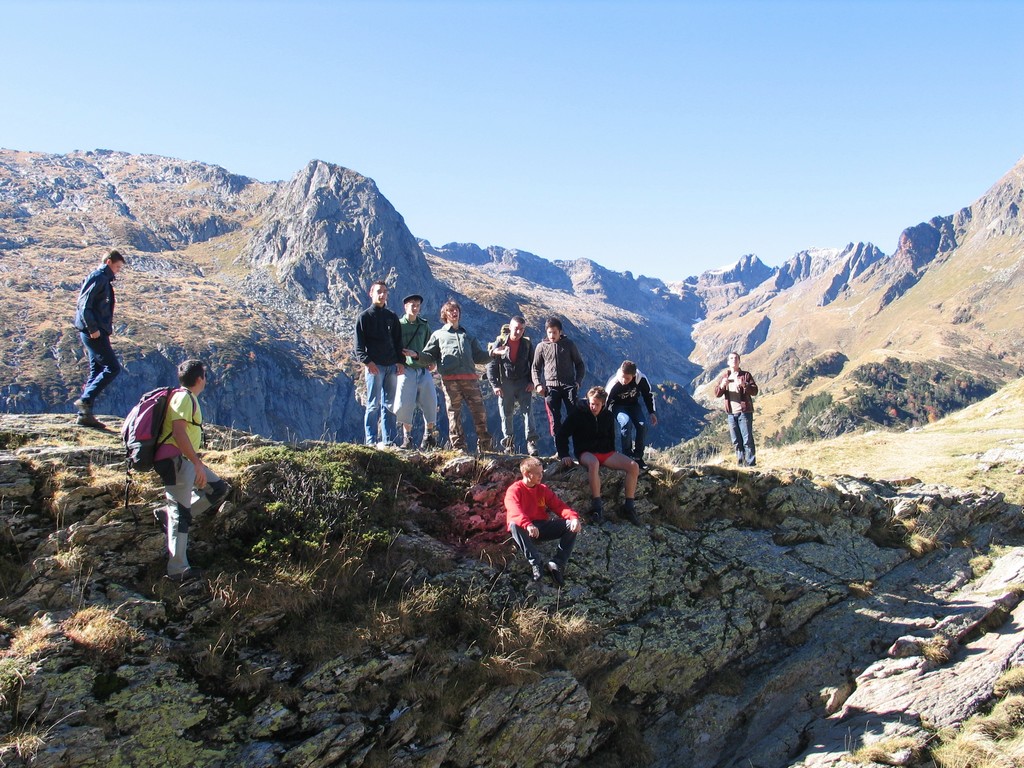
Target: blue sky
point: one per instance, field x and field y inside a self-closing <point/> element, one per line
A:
<point x="664" y="138"/>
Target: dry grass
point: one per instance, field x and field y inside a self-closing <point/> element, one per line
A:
<point x="896" y="751"/>
<point x="98" y="630"/>
<point x="946" y="452"/>
<point x="993" y="740"/>
<point x="34" y="640"/>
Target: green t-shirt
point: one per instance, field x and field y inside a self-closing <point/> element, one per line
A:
<point x="184" y="406"/>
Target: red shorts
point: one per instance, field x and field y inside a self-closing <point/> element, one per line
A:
<point x="603" y="457"/>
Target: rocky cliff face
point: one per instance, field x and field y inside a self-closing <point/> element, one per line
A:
<point x="329" y="233"/>
<point x="767" y="619"/>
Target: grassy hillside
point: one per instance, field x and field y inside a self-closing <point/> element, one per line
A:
<point x="982" y="445"/>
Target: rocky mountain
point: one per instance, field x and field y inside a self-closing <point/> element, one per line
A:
<point x="265" y="280"/>
<point x="365" y="608"/>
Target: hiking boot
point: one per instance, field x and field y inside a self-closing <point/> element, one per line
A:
<point x="88" y="420"/>
<point x="189" y="574"/>
<point x="596" y="516"/>
<point x="429" y="440"/>
<point x="84" y="408"/>
<point x="556" y="573"/>
<point x="531" y="448"/>
<point x="507" y="444"/>
<point x="536" y="573"/>
<point x="630" y="514"/>
<point x="407" y="442"/>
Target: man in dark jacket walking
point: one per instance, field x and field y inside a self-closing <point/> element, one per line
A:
<point x="591" y="427"/>
<point x="94" y="320"/>
<point x="558" y="371"/>
<point x="509" y="372"/>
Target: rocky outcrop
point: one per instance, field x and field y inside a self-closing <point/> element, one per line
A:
<point x="329" y="233"/>
<point x="751" y="619"/>
<point x="507" y="262"/>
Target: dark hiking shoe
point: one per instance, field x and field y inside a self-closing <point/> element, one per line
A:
<point x="630" y="514"/>
<point x="189" y="574"/>
<point x="556" y="573"/>
<point x="83" y="407"/>
<point x="88" y="420"/>
<point x="429" y="441"/>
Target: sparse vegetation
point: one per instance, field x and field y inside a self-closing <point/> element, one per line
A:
<point x="827" y="364"/>
<point x="100" y="631"/>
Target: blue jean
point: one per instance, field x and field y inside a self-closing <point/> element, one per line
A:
<point x="103" y="365"/>
<point x="626" y="415"/>
<point x="380" y="395"/>
<point x="549" y="529"/>
<point x="741" y="431"/>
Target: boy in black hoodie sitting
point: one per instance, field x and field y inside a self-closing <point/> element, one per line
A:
<point x="591" y="427"/>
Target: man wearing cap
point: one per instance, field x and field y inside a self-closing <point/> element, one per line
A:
<point x="416" y="385"/>
<point x="379" y="348"/>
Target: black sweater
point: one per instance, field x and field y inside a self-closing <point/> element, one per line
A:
<point x="589" y="433"/>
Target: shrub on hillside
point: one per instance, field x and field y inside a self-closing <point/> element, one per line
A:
<point x="828" y="364"/>
<point x="898" y="393"/>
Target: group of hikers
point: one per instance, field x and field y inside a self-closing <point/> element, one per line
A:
<point x="399" y="356"/>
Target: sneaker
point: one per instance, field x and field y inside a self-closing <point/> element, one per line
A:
<point x="752" y="463"/>
<point x="507" y="444"/>
<point x="407" y="442"/>
<point x="83" y="407"/>
<point x="429" y="441"/>
<point x="641" y="463"/>
<point x="596" y="516"/>
<point x="630" y="514"/>
<point x="531" y="448"/>
<point x="189" y="574"/>
<point x="536" y="573"/>
<point x="556" y="573"/>
<point x="88" y="420"/>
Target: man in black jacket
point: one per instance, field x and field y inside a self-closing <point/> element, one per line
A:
<point x="625" y="391"/>
<point x="509" y="372"/>
<point x="591" y="428"/>
<point x="94" y="320"/>
<point x="379" y="349"/>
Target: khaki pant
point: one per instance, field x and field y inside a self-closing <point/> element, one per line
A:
<point x="457" y="392"/>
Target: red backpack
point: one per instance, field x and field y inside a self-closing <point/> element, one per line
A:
<point x="141" y="429"/>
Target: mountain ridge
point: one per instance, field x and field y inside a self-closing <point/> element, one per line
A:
<point x="292" y="258"/>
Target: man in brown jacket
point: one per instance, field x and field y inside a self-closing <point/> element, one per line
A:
<point x="738" y="388"/>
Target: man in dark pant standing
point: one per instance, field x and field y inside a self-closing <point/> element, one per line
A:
<point x="94" y="319"/>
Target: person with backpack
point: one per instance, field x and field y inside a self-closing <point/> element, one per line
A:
<point x="509" y="372"/>
<point x="738" y="388"/>
<point x="191" y="487"/>
<point x="94" y="321"/>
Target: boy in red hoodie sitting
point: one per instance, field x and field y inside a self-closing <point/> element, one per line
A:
<point x="530" y="509"/>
